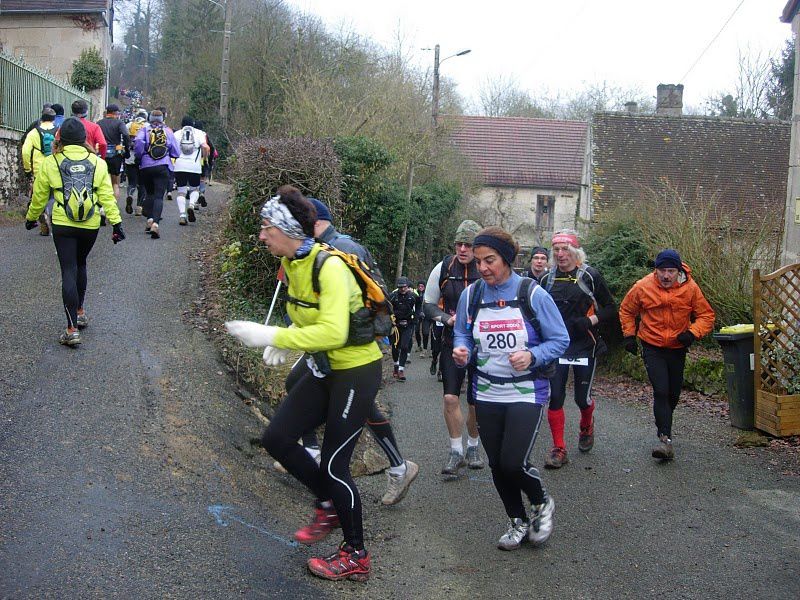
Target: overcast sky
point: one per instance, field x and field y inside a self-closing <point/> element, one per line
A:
<point x="562" y="45"/>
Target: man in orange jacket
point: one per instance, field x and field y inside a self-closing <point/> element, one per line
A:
<point x="673" y="313"/>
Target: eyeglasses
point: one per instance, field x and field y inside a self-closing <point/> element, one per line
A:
<point x="463" y="245"/>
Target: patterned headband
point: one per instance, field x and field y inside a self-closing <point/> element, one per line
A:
<point x="281" y="217"/>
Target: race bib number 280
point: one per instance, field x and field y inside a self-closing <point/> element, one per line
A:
<point x="505" y="334"/>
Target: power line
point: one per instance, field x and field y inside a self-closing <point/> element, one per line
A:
<point x="694" y="64"/>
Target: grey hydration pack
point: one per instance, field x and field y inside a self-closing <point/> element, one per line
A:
<point x="77" y="187"/>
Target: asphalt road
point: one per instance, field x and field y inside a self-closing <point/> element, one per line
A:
<point x="127" y="470"/>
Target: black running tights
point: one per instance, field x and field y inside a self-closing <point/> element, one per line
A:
<point x="378" y="424"/>
<point x="508" y="432"/>
<point x="583" y="375"/>
<point x="404" y="344"/>
<point x="341" y="401"/>
<point x="155" y="181"/>
<point x="665" y="370"/>
<point x="73" y="245"/>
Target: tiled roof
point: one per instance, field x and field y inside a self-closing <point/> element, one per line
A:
<point x="743" y="162"/>
<point x="53" y="6"/>
<point x="520" y="152"/>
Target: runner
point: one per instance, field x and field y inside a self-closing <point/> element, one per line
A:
<point x="132" y="169"/>
<point x="668" y="312"/>
<point x="117" y="143"/>
<point x="401" y="473"/>
<point x="445" y="283"/>
<point x="538" y="265"/>
<point x="583" y="299"/>
<point x="511" y="342"/>
<point x="337" y="392"/>
<point x="59" y="110"/>
<point x="208" y="164"/>
<point x="188" y="166"/>
<point x="94" y="135"/>
<point x="38" y="145"/>
<point x="404" y="303"/>
<point x="422" y="325"/>
<point x="155" y="147"/>
<point x="75" y="224"/>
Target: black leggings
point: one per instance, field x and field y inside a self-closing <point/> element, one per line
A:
<point x="508" y="432"/>
<point x="341" y="401"/>
<point x="665" y="370"/>
<point x="422" y="331"/>
<point x="155" y="180"/>
<point x="436" y="343"/>
<point x="377" y="422"/>
<point x="402" y="348"/>
<point x="583" y="375"/>
<point x="135" y="183"/>
<point x="73" y="245"/>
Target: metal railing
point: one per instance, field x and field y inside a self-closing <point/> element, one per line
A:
<point x="24" y="89"/>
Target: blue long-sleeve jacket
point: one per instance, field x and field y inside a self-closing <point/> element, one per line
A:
<point x="554" y="332"/>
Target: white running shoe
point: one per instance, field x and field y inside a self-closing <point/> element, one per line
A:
<point x="541" y="521"/>
<point x="399" y="484"/>
<point x="516" y="534"/>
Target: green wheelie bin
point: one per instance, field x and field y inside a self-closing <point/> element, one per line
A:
<point x="737" y="353"/>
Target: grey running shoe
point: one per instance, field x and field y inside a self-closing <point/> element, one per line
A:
<point x="586" y="438"/>
<point x="556" y="458"/>
<point x="455" y="461"/>
<point x="663" y="449"/>
<point x="541" y="521"/>
<point x="399" y="484"/>
<point x="70" y="339"/>
<point x="138" y="211"/>
<point x="82" y="321"/>
<point x="516" y="534"/>
<point x="154" y="231"/>
<point x="182" y="220"/>
<point x="474" y="460"/>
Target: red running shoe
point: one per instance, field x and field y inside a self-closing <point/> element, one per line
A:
<point x="325" y="521"/>
<point x="345" y="563"/>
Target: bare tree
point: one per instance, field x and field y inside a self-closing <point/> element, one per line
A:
<point x="750" y="96"/>
<point x="502" y="96"/>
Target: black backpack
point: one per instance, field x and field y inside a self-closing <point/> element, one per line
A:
<point x="157" y="143"/>
<point x="522" y="302"/>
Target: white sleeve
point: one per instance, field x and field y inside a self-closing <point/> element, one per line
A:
<point x="432" y="291"/>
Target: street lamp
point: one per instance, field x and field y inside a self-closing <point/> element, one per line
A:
<point x="436" y="63"/>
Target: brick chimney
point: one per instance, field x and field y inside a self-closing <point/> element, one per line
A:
<point x="631" y="107"/>
<point x="669" y="100"/>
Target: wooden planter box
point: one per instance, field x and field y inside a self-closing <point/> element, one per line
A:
<point x="778" y="414"/>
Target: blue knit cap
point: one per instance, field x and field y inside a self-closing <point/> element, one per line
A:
<point x="323" y="214"/>
<point x="668" y="259"/>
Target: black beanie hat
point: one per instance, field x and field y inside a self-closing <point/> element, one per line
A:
<point x="540" y="250"/>
<point x="72" y="132"/>
<point x="668" y="259"/>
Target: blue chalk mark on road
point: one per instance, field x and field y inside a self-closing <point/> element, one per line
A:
<point x="224" y="514"/>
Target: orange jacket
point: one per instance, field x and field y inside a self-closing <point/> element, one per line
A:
<point x="666" y="312"/>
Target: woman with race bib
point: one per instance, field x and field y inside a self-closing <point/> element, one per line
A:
<point x="509" y="330"/>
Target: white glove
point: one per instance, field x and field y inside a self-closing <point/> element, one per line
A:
<point x="251" y="334"/>
<point x="275" y="356"/>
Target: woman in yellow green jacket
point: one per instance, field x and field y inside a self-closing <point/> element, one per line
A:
<point x="80" y="184"/>
<point x="337" y="391"/>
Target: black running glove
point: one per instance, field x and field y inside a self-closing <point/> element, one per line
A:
<point x="686" y="338"/>
<point x="30" y="224"/>
<point x="117" y="235"/>
<point x="630" y="345"/>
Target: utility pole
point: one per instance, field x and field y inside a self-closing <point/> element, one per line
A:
<point x="435" y="109"/>
<point x="410" y="185"/>
<point x="226" y="64"/>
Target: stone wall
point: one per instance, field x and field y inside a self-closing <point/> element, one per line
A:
<point x="11" y="177"/>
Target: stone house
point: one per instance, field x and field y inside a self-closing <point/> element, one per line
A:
<point x="740" y="163"/>
<point x="51" y="34"/>
<point x="532" y="173"/>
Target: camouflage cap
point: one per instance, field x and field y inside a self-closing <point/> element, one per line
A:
<point x="467" y="231"/>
